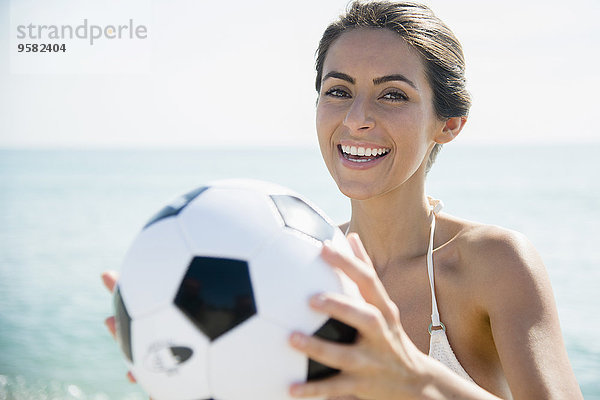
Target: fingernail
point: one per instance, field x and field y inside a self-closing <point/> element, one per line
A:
<point x="327" y="248"/>
<point x="317" y="300"/>
<point x="296" y="389"/>
<point x="298" y="339"/>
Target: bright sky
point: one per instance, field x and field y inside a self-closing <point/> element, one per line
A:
<point x="239" y="72"/>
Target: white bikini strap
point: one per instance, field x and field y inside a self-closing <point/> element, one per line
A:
<point x="435" y="315"/>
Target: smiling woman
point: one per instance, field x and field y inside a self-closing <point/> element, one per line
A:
<point x="391" y="85"/>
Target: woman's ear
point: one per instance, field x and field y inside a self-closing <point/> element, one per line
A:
<point x="451" y="129"/>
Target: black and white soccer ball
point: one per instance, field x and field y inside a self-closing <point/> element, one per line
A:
<point x="214" y="284"/>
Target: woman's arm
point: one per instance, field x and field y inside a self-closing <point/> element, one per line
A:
<point x="518" y="297"/>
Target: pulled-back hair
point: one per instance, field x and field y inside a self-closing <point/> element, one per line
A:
<point x="416" y="23"/>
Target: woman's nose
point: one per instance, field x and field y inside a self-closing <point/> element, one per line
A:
<point x="359" y="118"/>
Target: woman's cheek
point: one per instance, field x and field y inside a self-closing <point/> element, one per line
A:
<point x="325" y="129"/>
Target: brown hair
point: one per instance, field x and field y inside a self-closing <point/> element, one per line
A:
<point x="417" y="24"/>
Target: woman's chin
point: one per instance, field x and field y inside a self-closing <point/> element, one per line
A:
<point x="357" y="190"/>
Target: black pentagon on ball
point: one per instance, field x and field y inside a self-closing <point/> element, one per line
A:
<point x="335" y="331"/>
<point x="216" y="294"/>
<point x="175" y="208"/>
<point x="303" y="218"/>
<point x="123" y="324"/>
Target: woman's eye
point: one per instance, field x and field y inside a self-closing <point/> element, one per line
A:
<point x="395" y="96"/>
<point x="337" y="93"/>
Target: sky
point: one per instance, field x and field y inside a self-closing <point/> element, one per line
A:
<point x="239" y="73"/>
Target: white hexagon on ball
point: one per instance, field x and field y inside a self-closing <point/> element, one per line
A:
<point x="255" y="361"/>
<point x="222" y="216"/>
<point x="153" y="267"/>
<point x="167" y="346"/>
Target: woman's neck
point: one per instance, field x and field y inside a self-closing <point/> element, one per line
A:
<point x="394" y="226"/>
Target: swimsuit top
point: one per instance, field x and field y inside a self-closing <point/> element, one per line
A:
<point x="439" y="347"/>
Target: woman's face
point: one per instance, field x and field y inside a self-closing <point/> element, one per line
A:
<point x="375" y="118"/>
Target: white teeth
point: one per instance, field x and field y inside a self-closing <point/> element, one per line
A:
<point x="362" y="151"/>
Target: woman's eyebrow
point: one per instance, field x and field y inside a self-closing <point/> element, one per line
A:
<point x="376" y="81"/>
<point x="395" y="77"/>
<point x="339" y="75"/>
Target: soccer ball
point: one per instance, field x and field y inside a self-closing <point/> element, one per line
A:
<point x="214" y="284"/>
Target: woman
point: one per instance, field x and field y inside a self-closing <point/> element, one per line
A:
<point x="391" y="86"/>
<point x="390" y="79"/>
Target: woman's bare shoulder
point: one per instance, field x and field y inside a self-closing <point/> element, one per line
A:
<point x="498" y="257"/>
<point x="487" y="243"/>
<point x="491" y="251"/>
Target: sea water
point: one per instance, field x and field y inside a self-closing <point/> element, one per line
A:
<point x="66" y="216"/>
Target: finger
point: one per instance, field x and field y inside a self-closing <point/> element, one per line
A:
<point x="335" y="355"/>
<point x="358" y="248"/>
<point x="130" y="377"/>
<point x="338" y="385"/>
<point x="110" y="324"/>
<point x="366" y="279"/>
<point x="110" y="279"/>
<point x="365" y="317"/>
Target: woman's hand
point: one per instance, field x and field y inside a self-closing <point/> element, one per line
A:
<point x="110" y="280"/>
<point x="383" y="363"/>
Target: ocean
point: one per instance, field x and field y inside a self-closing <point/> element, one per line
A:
<point x="68" y="215"/>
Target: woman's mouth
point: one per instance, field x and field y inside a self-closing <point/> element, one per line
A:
<point x="362" y="154"/>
